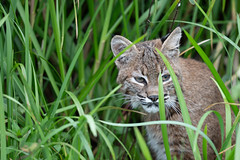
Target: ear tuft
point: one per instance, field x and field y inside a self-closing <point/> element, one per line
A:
<point x="171" y="45"/>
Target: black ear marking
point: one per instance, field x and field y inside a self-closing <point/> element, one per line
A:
<point x="165" y="37"/>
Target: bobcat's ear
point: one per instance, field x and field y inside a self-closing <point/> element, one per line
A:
<point x="171" y="45"/>
<point x="118" y="43"/>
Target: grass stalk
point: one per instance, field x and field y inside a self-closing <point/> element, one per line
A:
<point x="9" y="55"/>
<point x="162" y="115"/>
<point x="205" y="20"/>
<point x="2" y="125"/>
<point x="57" y="37"/>
<point x="159" y="25"/>
<point x="204" y="145"/>
<point x="237" y="146"/>
<point x="69" y="72"/>
<point x="142" y="144"/>
<point x="103" y="36"/>
<point x="27" y="53"/>
<point x="115" y="136"/>
<point x="39" y="51"/>
<point x="107" y="142"/>
<point x="182" y="103"/>
<point x="136" y="17"/>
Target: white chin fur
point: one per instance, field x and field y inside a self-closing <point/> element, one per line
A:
<point x="135" y="105"/>
<point x="152" y="109"/>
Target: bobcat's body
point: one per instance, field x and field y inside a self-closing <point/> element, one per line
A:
<point x="139" y="68"/>
<point x="177" y="135"/>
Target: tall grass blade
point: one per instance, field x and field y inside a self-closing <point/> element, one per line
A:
<point x="200" y="123"/>
<point x="228" y="119"/>
<point x="204" y="145"/>
<point x="116" y="139"/>
<point x="38" y="49"/>
<point x="136" y="17"/>
<point x="86" y="146"/>
<point x="2" y="125"/>
<point x="105" y="98"/>
<point x="57" y="37"/>
<point x="56" y="131"/>
<point x="142" y="144"/>
<point x="117" y="22"/>
<point x="163" y="116"/>
<point x="75" y="140"/>
<point x="77" y="103"/>
<point x="158" y="27"/>
<point x="3" y="20"/>
<point x="9" y="87"/>
<point x="182" y="103"/>
<point x="237" y="146"/>
<point x="107" y="142"/>
<point x="68" y="145"/>
<point x="214" y="31"/>
<point x="69" y="72"/>
<point x="230" y="133"/>
<point x="212" y="26"/>
<point x="125" y="23"/>
<point x="103" y="36"/>
<point x="205" y="20"/>
<point x="91" y="124"/>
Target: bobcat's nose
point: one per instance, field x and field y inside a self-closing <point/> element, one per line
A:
<point x="154" y="98"/>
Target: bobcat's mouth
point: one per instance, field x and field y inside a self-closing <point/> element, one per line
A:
<point x="170" y="103"/>
<point x="150" y="107"/>
<point x="149" y="104"/>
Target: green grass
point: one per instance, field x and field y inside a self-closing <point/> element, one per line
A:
<point x="58" y="90"/>
<point x="162" y="115"/>
<point x="182" y="103"/>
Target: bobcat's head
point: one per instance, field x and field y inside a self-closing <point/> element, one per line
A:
<point x="139" y="68"/>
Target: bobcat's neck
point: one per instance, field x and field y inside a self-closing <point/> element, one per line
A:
<point x="152" y="117"/>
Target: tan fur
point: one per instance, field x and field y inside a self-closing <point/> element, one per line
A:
<point x="139" y="68"/>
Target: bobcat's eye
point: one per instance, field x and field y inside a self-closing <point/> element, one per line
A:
<point x="165" y="77"/>
<point x="140" y="80"/>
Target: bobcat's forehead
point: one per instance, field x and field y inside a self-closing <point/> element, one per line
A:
<point x="150" y="63"/>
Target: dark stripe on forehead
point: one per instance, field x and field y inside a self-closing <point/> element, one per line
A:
<point x="149" y="58"/>
<point x="150" y="61"/>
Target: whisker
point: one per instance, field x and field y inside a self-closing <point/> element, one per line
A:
<point x="125" y="102"/>
<point x="118" y="100"/>
<point x="116" y="94"/>
<point x="124" y="98"/>
<point x="174" y="108"/>
<point x="167" y="112"/>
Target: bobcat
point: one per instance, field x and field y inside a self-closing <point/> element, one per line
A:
<point x="139" y="68"/>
